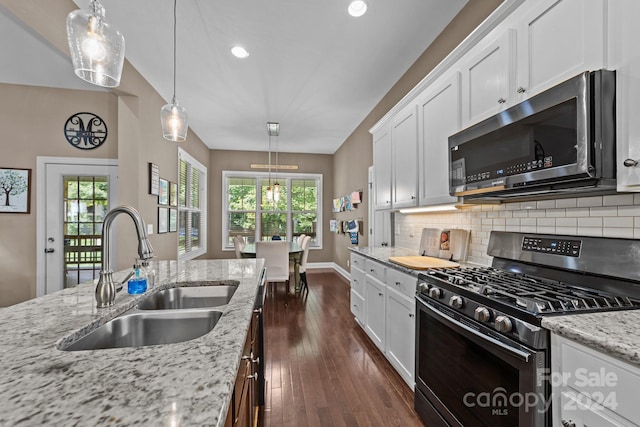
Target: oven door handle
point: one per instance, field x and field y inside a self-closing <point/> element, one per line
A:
<point x="514" y="351"/>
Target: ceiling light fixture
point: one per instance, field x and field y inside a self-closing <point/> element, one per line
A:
<point x="273" y="194"/>
<point x="357" y="8"/>
<point x="174" y="118"/>
<point x="239" y="52"/>
<point x="97" y="49"/>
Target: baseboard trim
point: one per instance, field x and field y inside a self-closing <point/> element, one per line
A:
<point x="330" y="265"/>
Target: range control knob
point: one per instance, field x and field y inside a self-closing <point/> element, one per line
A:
<point x="482" y="314"/>
<point x="435" y="293"/>
<point x="503" y="324"/>
<point x="423" y="288"/>
<point x="456" y="301"/>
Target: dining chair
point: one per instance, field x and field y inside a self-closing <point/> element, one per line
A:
<point x="276" y="256"/>
<point x="238" y="245"/>
<point x="276" y="237"/>
<point x="302" y="269"/>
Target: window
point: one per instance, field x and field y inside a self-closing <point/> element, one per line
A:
<point x="249" y="213"/>
<point x="192" y="207"/>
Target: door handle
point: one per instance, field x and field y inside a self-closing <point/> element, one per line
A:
<point x="49" y="250"/>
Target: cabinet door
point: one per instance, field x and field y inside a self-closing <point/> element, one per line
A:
<point x="625" y="59"/>
<point x="357" y="280"/>
<point x="400" y="334"/>
<point x="486" y="79"/>
<point x="382" y="168"/>
<point x="404" y="142"/>
<point x="374" y="313"/>
<point x="382" y="228"/>
<point x="439" y="113"/>
<point x="557" y="40"/>
<point x="357" y="307"/>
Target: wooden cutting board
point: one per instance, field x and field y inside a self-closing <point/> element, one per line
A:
<point x="422" y="262"/>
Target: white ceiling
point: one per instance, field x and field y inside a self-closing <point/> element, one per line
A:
<point x="312" y="67"/>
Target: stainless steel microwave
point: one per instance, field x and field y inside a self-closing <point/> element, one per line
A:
<point x="558" y="143"/>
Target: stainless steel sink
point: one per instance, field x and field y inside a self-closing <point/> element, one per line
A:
<point x="139" y="329"/>
<point x="188" y="297"/>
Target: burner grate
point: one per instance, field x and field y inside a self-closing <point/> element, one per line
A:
<point x="534" y="294"/>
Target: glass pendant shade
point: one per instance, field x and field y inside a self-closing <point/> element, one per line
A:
<point x="276" y="192"/>
<point x="269" y="194"/>
<point x="97" y="49"/>
<point x="175" y="121"/>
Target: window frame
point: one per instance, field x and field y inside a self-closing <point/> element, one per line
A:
<point x="203" y="209"/>
<point x="260" y="177"/>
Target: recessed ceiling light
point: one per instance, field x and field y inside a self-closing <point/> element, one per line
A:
<point x="239" y="52"/>
<point x="357" y="8"/>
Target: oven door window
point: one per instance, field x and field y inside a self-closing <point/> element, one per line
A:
<point x="472" y="381"/>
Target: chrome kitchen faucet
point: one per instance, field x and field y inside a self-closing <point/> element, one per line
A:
<point x="106" y="288"/>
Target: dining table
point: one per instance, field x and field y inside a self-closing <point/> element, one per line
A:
<point x="295" y="255"/>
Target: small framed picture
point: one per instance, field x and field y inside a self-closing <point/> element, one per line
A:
<point x="163" y="192"/>
<point x="15" y="190"/>
<point x="163" y="220"/>
<point x="173" y="194"/>
<point x="154" y="179"/>
<point x="173" y="220"/>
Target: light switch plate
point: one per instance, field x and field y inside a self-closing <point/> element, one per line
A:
<point x="149" y="228"/>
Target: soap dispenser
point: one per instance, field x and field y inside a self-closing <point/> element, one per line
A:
<point x="138" y="283"/>
<point x="150" y="273"/>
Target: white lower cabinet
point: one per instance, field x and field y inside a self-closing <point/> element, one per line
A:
<point x="592" y="389"/>
<point x="383" y="302"/>
<point x="374" y="312"/>
<point x="400" y="348"/>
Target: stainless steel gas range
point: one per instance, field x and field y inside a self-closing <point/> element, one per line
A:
<point x="482" y="358"/>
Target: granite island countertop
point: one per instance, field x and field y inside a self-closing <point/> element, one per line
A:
<point x="615" y="333"/>
<point x="188" y="383"/>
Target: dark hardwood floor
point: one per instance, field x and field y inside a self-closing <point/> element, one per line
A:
<point x="321" y="368"/>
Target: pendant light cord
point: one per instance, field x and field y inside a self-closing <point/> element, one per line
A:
<point x="175" y="4"/>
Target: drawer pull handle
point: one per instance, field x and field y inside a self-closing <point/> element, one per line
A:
<point x="521" y="90"/>
<point x="569" y="423"/>
<point x="501" y="101"/>
<point x="630" y="163"/>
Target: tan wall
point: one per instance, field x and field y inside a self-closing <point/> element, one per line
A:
<point x="32" y="120"/>
<point x="353" y="158"/>
<point x="240" y="161"/>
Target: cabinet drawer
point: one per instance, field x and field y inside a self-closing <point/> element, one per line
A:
<point x="357" y="307"/>
<point x="402" y="282"/>
<point x="357" y="280"/>
<point x="607" y="381"/>
<point x="375" y="269"/>
<point x="357" y="261"/>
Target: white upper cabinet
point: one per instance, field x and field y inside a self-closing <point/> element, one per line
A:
<point x="558" y="39"/>
<point x="382" y="168"/>
<point x="624" y="33"/>
<point x="439" y="115"/>
<point x="487" y="77"/>
<point x="404" y="143"/>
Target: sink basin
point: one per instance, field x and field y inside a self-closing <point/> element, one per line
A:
<point x="188" y="297"/>
<point x="139" y="329"/>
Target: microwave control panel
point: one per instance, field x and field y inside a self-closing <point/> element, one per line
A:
<point x="552" y="246"/>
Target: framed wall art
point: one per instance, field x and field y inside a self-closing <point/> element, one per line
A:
<point x="173" y="220"/>
<point x="15" y="190"/>
<point x="154" y="179"/>
<point x="163" y="192"/>
<point x="173" y="194"/>
<point x="163" y="220"/>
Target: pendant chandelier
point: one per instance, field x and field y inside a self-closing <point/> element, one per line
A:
<point x="273" y="195"/>
<point x="97" y="49"/>
<point x="173" y="116"/>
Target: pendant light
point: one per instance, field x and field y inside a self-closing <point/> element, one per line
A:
<point x="173" y="116"/>
<point x="273" y="195"/>
<point x="276" y="185"/>
<point x="97" y="49"/>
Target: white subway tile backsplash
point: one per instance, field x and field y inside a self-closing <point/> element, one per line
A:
<point x="546" y="204"/>
<point x="604" y="211"/>
<point x="546" y="222"/>
<point x="625" y="233"/>
<point x="619" y="222"/>
<point x="587" y="202"/>
<point x="590" y="222"/>
<point x="566" y="203"/>
<point x="617" y="200"/>
<point x="555" y="213"/>
<point x="593" y="216"/>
